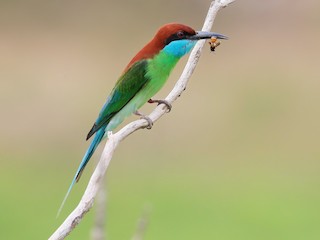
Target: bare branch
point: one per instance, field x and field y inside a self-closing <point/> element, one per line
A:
<point x="98" y="230"/>
<point x="142" y="223"/>
<point x="114" y="139"/>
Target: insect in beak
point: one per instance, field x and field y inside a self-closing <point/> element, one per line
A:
<point x="214" y="42"/>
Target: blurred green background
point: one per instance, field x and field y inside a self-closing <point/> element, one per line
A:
<point x="237" y="158"/>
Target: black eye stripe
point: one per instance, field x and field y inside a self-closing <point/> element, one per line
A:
<point x="176" y="36"/>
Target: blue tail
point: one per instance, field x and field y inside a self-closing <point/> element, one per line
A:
<point x="94" y="144"/>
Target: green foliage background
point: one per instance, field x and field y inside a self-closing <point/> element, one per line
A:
<point x="237" y="158"/>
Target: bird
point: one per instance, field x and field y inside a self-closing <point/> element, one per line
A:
<point x="141" y="79"/>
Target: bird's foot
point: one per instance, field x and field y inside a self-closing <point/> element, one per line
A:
<point x="165" y="102"/>
<point x="142" y="116"/>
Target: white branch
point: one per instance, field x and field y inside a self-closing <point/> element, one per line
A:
<point x="142" y="223"/>
<point x="114" y="139"/>
<point x="98" y="230"/>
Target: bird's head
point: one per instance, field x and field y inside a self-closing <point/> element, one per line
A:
<point x="179" y="39"/>
<point x="174" y="38"/>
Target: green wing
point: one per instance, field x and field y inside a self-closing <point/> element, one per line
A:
<point x="128" y="85"/>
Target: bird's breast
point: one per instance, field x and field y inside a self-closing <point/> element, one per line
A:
<point x="159" y="69"/>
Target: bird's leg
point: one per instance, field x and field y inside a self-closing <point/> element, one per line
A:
<point x="165" y="102"/>
<point x="142" y="116"/>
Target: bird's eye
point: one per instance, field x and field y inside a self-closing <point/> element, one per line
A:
<point x="180" y="34"/>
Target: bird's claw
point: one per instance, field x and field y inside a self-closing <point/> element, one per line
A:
<point x="165" y="102"/>
<point x="150" y="122"/>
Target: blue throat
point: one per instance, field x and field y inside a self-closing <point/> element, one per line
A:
<point x="179" y="48"/>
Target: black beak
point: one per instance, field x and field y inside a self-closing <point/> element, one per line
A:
<point x="206" y="35"/>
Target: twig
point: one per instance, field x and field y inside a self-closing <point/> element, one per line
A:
<point x="98" y="230"/>
<point x="114" y="139"/>
<point x="142" y="223"/>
